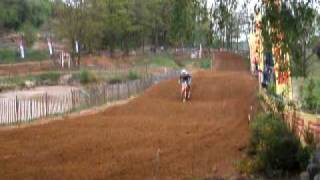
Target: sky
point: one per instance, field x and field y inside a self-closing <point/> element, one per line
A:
<point x="251" y="4"/>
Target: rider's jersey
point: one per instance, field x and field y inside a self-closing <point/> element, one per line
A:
<point x="185" y="79"/>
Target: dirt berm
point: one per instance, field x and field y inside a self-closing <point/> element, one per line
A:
<point x="154" y="135"/>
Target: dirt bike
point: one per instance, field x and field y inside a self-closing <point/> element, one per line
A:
<point x="185" y="92"/>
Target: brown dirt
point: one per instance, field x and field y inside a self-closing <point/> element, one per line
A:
<point x="26" y="68"/>
<point x="152" y="135"/>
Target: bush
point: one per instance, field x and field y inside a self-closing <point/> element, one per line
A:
<point x="275" y="147"/>
<point x="310" y="100"/>
<point x="50" y="76"/>
<point x="205" y="64"/>
<point x="115" y="80"/>
<point x="86" y="77"/>
<point x="246" y="166"/>
<point x="133" y="75"/>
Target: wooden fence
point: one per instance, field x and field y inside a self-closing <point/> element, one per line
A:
<point x="22" y="110"/>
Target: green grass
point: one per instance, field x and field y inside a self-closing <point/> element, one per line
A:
<point x="205" y="63"/>
<point x="85" y="76"/>
<point x="132" y="75"/>
<point x="315" y="67"/>
<point x="8" y="56"/>
<point x="315" y="75"/>
<point x="48" y="78"/>
<point x="163" y="61"/>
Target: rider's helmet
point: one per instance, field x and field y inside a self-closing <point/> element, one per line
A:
<point x="184" y="72"/>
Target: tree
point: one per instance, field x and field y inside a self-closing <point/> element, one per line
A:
<point x="293" y="27"/>
<point x="129" y="24"/>
<point x="224" y="14"/>
<point x="15" y="13"/>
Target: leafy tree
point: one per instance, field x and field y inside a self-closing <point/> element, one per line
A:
<point x="15" y="13"/>
<point x="224" y="15"/>
<point x="293" y="27"/>
<point x="130" y="24"/>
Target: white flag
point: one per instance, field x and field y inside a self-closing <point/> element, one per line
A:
<point x="50" y="47"/>
<point x="21" y="48"/>
<point x="77" y="47"/>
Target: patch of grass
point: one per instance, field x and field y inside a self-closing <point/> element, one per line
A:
<point x="8" y="56"/>
<point x="132" y="75"/>
<point x="315" y="67"/>
<point x="205" y="63"/>
<point x="115" y="80"/>
<point x="50" y="76"/>
<point x="310" y="96"/>
<point x="164" y="61"/>
<point x="187" y="62"/>
<point x="86" y="77"/>
<point x="33" y="55"/>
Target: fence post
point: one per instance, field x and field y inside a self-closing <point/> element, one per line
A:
<point x="17" y="109"/>
<point x="104" y="86"/>
<point x="46" y="104"/>
<point x="72" y="100"/>
<point x="128" y="87"/>
<point x="118" y="91"/>
<point x="31" y="115"/>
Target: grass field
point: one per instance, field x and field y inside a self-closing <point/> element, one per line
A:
<point x="8" y="56"/>
<point x="163" y="61"/>
<point x="302" y="83"/>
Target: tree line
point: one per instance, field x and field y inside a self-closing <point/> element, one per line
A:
<point x="130" y="24"/>
<point x="298" y="22"/>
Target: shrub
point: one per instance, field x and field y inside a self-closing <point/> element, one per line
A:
<point x="310" y="100"/>
<point x="50" y="76"/>
<point x="246" y="166"/>
<point x="115" y="80"/>
<point x="87" y="77"/>
<point x="275" y="147"/>
<point x="205" y="64"/>
<point x="133" y="75"/>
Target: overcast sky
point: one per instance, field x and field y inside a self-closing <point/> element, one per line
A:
<point x="251" y="4"/>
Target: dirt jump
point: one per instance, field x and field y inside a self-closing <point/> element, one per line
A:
<point x="154" y="136"/>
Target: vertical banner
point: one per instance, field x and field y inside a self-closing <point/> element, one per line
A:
<point x="77" y="47"/>
<point x="22" y="55"/>
<point x="62" y="59"/>
<point x="50" y="46"/>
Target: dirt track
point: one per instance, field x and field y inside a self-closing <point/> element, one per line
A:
<point x="153" y="134"/>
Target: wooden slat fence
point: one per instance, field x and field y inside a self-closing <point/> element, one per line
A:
<point x="23" y="110"/>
